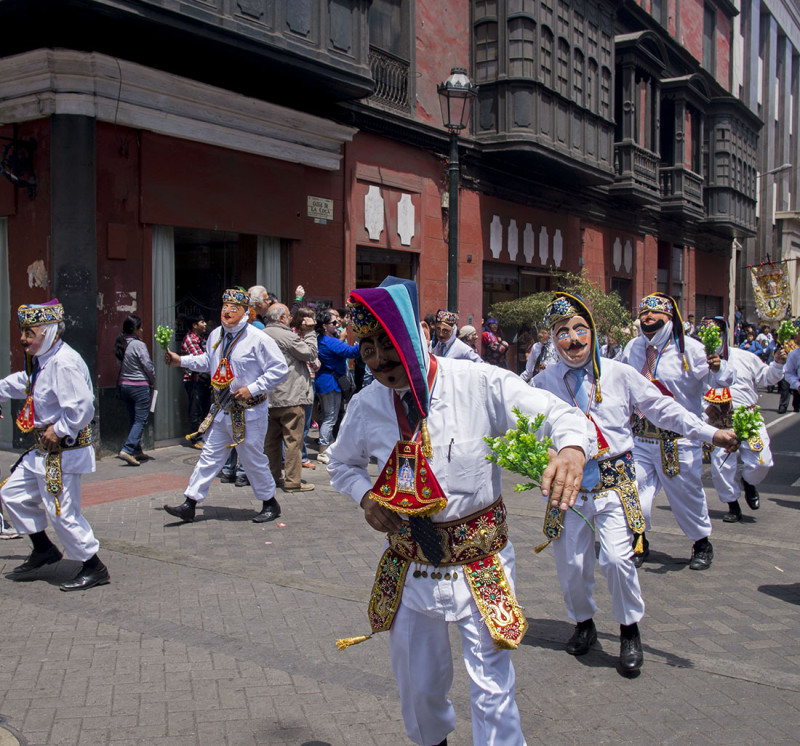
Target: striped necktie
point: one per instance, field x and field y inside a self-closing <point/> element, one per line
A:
<point x="591" y="472"/>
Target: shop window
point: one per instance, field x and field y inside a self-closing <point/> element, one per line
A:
<point x="373" y="266"/>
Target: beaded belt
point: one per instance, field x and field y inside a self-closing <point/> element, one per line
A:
<point x="53" y="478"/>
<point x="224" y="402"/>
<point x="647" y="431"/>
<point x="473" y="543"/>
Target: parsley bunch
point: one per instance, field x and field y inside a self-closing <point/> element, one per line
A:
<point x="163" y="336"/>
<point x="520" y="451"/>
<point x="711" y="338"/>
<point x="746" y="422"/>
<point x="786" y="331"/>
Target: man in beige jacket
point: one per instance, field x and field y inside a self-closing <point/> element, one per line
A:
<point x="287" y="402"/>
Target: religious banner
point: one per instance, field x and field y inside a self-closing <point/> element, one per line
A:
<point x="771" y="290"/>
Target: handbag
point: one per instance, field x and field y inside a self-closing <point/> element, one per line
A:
<point x="347" y="384"/>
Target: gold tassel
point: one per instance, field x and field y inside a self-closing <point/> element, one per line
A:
<point x="3" y="483"/>
<point x="760" y="459"/>
<point x="685" y="363"/>
<point x="58" y="505"/>
<point x="427" y="448"/>
<point x="346" y="642"/>
<point x="598" y="397"/>
<point x="191" y="436"/>
<point x="639" y="546"/>
<point x="542" y="546"/>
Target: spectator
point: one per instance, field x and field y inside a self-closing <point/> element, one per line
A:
<point x="541" y="355"/>
<point x="137" y="378"/>
<point x="494" y="346"/>
<point x="333" y="356"/>
<point x="313" y="366"/>
<point x="688" y="325"/>
<point x="469" y="336"/>
<point x="260" y="301"/>
<point x="611" y="349"/>
<point x="750" y="344"/>
<point x="197" y="385"/>
<point x="288" y="400"/>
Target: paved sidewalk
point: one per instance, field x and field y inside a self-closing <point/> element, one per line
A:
<point x="223" y="631"/>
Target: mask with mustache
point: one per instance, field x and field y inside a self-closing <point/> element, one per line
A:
<point x="654" y="327"/>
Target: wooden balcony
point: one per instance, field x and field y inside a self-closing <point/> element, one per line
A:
<point x="681" y="193"/>
<point x="636" y="170"/>
<point x="729" y="212"/>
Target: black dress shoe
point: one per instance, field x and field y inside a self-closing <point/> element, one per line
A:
<point x="584" y="636"/>
<point x="88" y="578"/>
<point x="242" y="481"/>
<point x="630" y="653"/>
<point x="638" y="559"/>
<point x="781" y="410"/>
<point x="225" y="479"/>
<point x="184" y="511"/>
<point x="702" y="554"/>
<point x="751" y="495"/>
<point x="269" y="512"/>
<point x="734" y="513"/>
<point x="35" y="561"/>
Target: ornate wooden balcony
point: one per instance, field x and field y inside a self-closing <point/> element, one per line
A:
<point x="681" y="192"/>
<point x="636" y="170"/>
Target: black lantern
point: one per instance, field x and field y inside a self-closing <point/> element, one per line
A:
<point x="455" y="95"/>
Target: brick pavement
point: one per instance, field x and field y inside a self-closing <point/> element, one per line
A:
<point x="223" y="631"/>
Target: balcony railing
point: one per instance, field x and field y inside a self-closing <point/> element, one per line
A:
<point x="390" y="74"/>
<point x="636" y="171"/>
<point x="681" y="190"/>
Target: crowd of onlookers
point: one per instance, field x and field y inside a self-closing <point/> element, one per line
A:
<point x="333" y="371"/>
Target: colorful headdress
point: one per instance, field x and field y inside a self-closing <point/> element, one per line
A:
<point x="718" y="396"/>
<point x="565" y="306"/>
<point x="394" y="307"/>
<point x="663" y="303"/>
<point x="51" y="312"/>
<point x="238" y="296"/>
<point x="446" y="317"/>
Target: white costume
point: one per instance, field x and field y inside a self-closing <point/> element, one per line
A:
<point x="456" y="349"/>
<point x="751" y="372"/>
<point x="684" y="490"/>
<point x="468" y="402"/>
<point x="622" y="389"/>
<point x="791" y="369"/>
<point x="63" y="397"/>
<point x="257" y="363"/>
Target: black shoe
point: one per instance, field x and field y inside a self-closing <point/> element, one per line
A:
<point x="751" y="495"/>
<point x="630" y="653"/>
<point x="702" y="554"/>
<point x="185" y="511"/>
<point x="584" y="636"/>
<point x="638" y="559"/>
<point x="242" y="481"/>
<point x="781" y="410"/>
<point x="35" y="561"/>
<point x="88" y="578"/>
<point x="225" y="479"/>
<point x="734" y="513"/>
<point x="269" y="512"/>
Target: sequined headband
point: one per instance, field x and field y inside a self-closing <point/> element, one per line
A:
<point x="362" y="321"/>
<point x="237" y="297"/>
<point x="560" y="308"/>
<point x="656" y="303"/>
<point x="446" y="317"/>
<point x="28" y="316"/>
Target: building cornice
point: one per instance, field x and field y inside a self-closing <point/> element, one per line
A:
<point x="46" y="82"/>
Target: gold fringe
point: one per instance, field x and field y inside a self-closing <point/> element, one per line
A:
<point x="760" y="460"/>
<point x="685" y="363"/>
<point x="58" y="505"/>
<point x="542" y="546"/>
<point x="346" y="642"/>
<point x="638" y="548"/>
<point x="427" y="448"/>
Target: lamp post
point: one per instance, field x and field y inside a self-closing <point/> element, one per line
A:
<point x="454" y="98"/>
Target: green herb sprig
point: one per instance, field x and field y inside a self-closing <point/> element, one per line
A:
<point x="711" y="338"/>
<point x="521" y="451"/>
<point x="746" y="422"/>
<point x="786" y="331"/>
<point x="163" y="336"/>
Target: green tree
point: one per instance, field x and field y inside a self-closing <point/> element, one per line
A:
<point x="609" y="314"/>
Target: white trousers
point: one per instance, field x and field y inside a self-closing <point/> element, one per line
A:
<point x="29" y="505"/>
<point x="250" y="451"/>
<point x="422" y="663"/>
<point x="575" y="559"/>
<point x="755" y="467"/>
<point x="684" y="491"/>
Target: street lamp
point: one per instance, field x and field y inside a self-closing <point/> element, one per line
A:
<point x="454" y="98"/>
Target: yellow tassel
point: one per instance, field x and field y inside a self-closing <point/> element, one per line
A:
<point x="639" y="546"/>
<point x="685" y="363"/>
<point x="191" y="436"/>
<point x="346" y="642"/>
<point x="427" y="448"/>
<point x="542" y="546"/>
<point x="760" y="460"/>
<point x="3" y="483"/>
<point x="58" y="505"/>
<point x="598" y="397"/>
